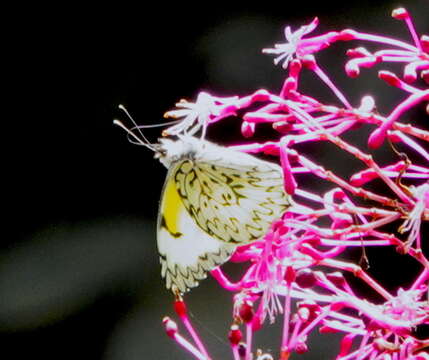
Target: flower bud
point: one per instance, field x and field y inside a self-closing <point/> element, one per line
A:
<point x="352" y="69"/>
<point x="295" y="67"/>
<point x="410" y="73"/>
<point x="235" y="335"/>
<point x="180" y="308"/>
<point x="301" y="348"/>
<point x="376" y="138"/>
<point x="170" y="326"/>
<point x="245" y="311"/>
<point x="305" y="278"/>
<point x="389" y="77"/>
<point x="247" y="129"/>
<point x="346" y="344"/>
<point x="242" y="350"/>
<point x="290" y="275"/>
<point x="400" y="14"/>
<point x="309" y="62"/>
<point x="257" y="322"/>
<point x="284" y="354"/>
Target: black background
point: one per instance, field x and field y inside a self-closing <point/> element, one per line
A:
<point x="79" y="275"/>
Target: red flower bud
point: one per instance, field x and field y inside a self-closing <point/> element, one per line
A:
<point x="290" y="275"/>
<point x="247" y="129"/>
<point x="389" y="77"/>
<point x="308" y="61"/>
<point x="305" y="278"/>
<point x="400" y="14"/>
<point x="180" y="308"/>
<point x="170" y="326"/>
<point x="301" y="348"/>
<point x="245" y="311"/>
<point x="235" y="335"/>
<point x="295" y="67"/>
<point x="284" y="354"/>
<point x="242" y="350"/>
<point x="346" y="344"/>
<point x="352" y="69"/>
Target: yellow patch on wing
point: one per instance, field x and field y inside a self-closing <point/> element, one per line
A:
<point x="171" y="208"/>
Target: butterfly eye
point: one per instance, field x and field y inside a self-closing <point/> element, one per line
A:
<point x="160" y="153"/>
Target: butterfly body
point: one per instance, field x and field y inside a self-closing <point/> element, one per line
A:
<point x="213" y="200"/>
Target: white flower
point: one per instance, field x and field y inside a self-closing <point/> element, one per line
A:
<point x="195" y="116"/>
<point x="414" y="220"/>
<point x="407" y="306"/>
<point x="286" y="51"/>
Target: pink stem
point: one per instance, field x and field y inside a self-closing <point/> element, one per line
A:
<point x="321" y="74"/>
<point x="189" y="347"/>
<point x="235" y="352"/>
<point x="377" y="137"/>
<point x="423" y="277"/>
<point x="413" y="32"/>
<point x="195" y="336"/>
<point x="286" y="318"/>
<point x="249" y="335"/>
<point x="218" y="274"/>
<point x="358" y="272"/>
<point x="383" y="40"/>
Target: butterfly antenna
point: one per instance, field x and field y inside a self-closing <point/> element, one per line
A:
<point x="158" y="125"/>
<point x="134" y="136"/>
<point x="145" y="140"/>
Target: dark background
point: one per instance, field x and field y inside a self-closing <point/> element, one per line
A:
<point x="79" y="274"/>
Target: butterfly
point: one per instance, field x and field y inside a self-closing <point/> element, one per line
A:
<point x="214" y="199"/>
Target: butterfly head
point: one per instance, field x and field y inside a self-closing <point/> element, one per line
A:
<point x="169" y="150"/>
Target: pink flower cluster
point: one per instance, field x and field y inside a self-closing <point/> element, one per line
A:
<point x="295" y="273"/>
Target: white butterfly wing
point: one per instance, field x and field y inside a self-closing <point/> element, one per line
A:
<point x="230" y="195"/>
<point x="213" y="200"/>
<point x="186" y="251"/>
